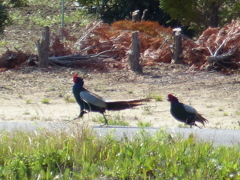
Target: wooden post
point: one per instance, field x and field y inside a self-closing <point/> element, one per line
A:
<point x="43" y="48"/>
<point x="177" y="47"/>
<point x="134" y="54"/>
<point x="136" y="16"/>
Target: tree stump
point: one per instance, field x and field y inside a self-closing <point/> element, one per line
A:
<point x="136" y="16"/>
<point x="177" y="47"/>
<point x="134" y="54"/>
<point x="43" y="48"/>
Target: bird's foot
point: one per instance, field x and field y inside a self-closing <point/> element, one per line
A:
<point x="199" y="127"/>
<point x="75" y="118"/>
<point x="80" y="115"/>
<point x="194" y="124"/>
<point x="105" y="124"/>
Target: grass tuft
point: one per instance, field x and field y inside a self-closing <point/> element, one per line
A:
<point x="28" y="101"/>
<point x="155" y="96"/>
<point x="220" y="109"/>
<point x="112" y="120"/>
<point x="144" y="124"/>
<point x="67" y="99"/>
<point x="45" y="101"/>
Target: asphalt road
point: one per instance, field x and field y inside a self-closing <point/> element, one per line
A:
<point x="215" y="136"/>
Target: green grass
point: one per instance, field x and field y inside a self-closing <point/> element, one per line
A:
<point x="83" y="155"/>
<point x="67" y="99"/>
<point x="45" y="101"/>
<point x="220" y="109"/>
<point x="20" y="96"/>
<point x="155" y="96"/>
<point x="225" y="114"/>
<point x="144" y="124"/>
<point x="28" y="101"/>
<point x="112" y="120"/>
<point x="209" y="106"/>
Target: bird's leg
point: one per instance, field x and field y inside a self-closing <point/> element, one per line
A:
<point x="80" y="115"/>
<point x="197" y="126"/>
<point x="106" y="121"/>
<point x="194" y="124"/>
<point x="188" y="123"/>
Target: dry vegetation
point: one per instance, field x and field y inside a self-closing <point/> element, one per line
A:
<point x="106" y="47"/>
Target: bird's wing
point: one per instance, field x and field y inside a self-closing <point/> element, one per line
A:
<point x="189" y="109"/>
<point x="93" y="99"/>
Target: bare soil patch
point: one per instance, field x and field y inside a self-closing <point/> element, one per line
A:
<point x="215" y="96"/>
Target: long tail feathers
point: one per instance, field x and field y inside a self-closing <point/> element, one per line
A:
<point x="201" y="119"/>
<point x="120" y="105"/>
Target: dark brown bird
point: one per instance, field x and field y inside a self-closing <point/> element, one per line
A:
<point x="185" y="113"/>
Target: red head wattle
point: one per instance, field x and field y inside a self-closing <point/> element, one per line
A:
<point x="171" y="98"/>
<point x="75" y="78"/>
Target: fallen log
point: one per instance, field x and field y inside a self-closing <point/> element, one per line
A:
<point x="220" y="58"/>
<point x="74" y="59"/>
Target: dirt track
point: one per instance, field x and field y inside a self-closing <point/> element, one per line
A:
<point x="214" y="95"/>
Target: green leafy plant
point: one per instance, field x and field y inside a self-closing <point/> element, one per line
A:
<point x="82" y="154"/>
<point x="45" y="101"/>
<point x="144" y="124"/>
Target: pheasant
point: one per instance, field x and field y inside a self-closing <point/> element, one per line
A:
<point x="89" y="101"/>
<point x="185" y="113"/>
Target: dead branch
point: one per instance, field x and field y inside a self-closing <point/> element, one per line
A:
<point x="70" y="60"/>
<point x="221" y="58"/>
<point x="216" y="52"/>
<point x="88" y="32"/>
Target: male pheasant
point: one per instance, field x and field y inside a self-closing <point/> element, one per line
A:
<point x="185" y="113"/>
<point x="89" y="101"/>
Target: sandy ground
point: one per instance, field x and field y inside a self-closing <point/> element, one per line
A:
<point x="215" y="96"/>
